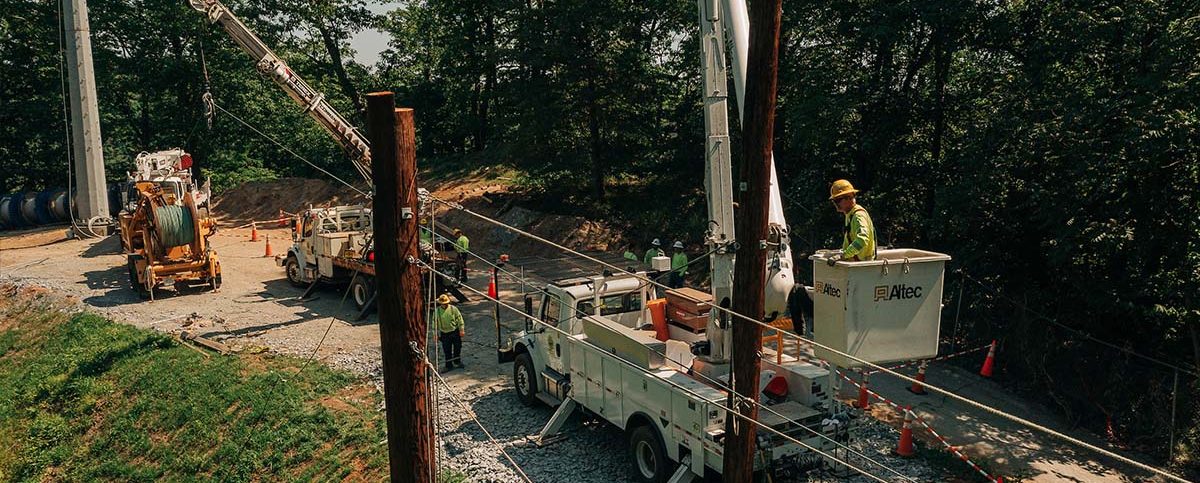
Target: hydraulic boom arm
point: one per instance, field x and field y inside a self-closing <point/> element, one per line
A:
<point x="314" y="103"/>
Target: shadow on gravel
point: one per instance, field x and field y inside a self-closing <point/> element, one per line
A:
<point x="110" y="245"/>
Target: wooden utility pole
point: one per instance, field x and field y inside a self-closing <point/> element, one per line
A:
<point x="750" y="267"/>
<point x="402" y="326"/>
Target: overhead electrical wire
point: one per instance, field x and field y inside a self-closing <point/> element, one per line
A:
<point x="671" y="383"/>
<point x="876" y="367"/>
<point x="471" y="414"/>
<point x="721" y="385"/>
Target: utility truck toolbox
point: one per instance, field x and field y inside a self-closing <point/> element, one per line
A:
<point x="884" y="310"/>
<point x="689" y="300"/>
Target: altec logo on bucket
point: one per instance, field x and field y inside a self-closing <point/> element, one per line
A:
<point x="827" y="289"/>
<point x="894" y="292"/>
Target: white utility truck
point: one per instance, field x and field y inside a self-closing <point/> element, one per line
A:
<point x="666" y="388"/>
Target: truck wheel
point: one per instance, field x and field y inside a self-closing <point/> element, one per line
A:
<point x="137" y="286"/>
<point x="525" y="379"/>
<point x="292" y="268"/>
<point x="362" y="289"/>
<point x="650" y="463"/>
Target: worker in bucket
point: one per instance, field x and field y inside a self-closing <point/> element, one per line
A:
<point x="858" y="235"/>
<point x="679" y="264"/>
<point x="462" y="246"/>
<point x="654" y="251"/>
<point x="451" y="331"/>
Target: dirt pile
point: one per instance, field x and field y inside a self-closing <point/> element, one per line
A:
<point x="571" y="231"/>
<point x="262" y="200"/>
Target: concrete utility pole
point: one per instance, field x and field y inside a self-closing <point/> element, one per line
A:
<point x="91" y="199"/>
<point x="402" y="326"/>
<point x="750" y="266"/>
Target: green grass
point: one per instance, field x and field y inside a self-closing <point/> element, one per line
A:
<point x="86" y="399"/>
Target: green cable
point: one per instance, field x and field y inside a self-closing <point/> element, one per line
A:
<point x="175" y="225"/>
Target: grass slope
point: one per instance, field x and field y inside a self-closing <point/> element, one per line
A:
<point x="86" y="399"/>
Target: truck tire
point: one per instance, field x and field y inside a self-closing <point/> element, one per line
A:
<point x="361" y="290"/>
<point x="294" y="275"/>
<point x="649" y="455"/>
<point x="525" y="379"/>
<point x="139" y="287"/>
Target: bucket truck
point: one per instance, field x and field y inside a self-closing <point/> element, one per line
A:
<point x="667" y="387"/>
<point x="330" y="244"/>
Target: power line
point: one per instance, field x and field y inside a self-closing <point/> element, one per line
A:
<point x="288" y="150"/>
<point x="1078" y="332"/>
<point x="878" y="368"/>
<point x="471" y="414"/>
<point x="721" y="385"/>
<point x="673" y="384"/>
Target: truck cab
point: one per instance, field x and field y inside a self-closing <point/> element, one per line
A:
<point x="319" y="235"/>
<point x="609" y="361"/>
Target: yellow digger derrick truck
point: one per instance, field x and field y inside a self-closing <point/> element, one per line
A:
<point x="165" y="237"/>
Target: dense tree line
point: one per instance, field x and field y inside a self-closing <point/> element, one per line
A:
<point x="1051" y="148"/>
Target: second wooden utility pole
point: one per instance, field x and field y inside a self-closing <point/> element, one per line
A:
<point x="401" y="311"/>
<point x="750" y="267"/>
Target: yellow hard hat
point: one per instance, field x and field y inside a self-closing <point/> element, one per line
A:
<point x="443" y="299"/>
<point x="841" y="187"/>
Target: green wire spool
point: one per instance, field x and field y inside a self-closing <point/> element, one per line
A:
<point x="175" y="225"/>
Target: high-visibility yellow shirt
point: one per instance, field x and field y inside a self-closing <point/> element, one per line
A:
<point x="448" y="319"/>
<point x="679" y="263"/>
<point x="858" y="239"/>
<point x="651" y="253"/>
<point x="462" y="245"/>
<point x="426" y="236"/>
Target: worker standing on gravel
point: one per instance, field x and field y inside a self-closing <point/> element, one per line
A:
<point x="462" y="245"/>
<point x="858" y="236"/>
<point x="451" y="331"/>
<point x="654" y="251"/>
<point x="679" y="264"/>
<point x="426" y="240"/>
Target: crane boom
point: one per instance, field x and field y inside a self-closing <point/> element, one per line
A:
<point x="270" y="65"/>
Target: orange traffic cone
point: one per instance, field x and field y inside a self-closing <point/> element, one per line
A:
<point x="492" y="288"/>
<point x="253" y="231"/>
<point x="268" y="251"/>
<point x="905" y="447"/>
<point x="986" y="371"/>
<point x="864" y="398"/>
<point x="917" y="388"/>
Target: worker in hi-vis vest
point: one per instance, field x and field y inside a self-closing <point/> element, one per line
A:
<point x="451" y="331"/>
<point x="426" y="237"/>
<point x="654" y="251"/>
<point x="858" y="235"/>
<point x="462" y="246"/>
<point x="679" y="264"/>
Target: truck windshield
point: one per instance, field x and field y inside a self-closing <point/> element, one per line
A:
<point x="612" y="304"/>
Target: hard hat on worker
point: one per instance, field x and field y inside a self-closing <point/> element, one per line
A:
<point x="656" y="243"/>
<point x="841" y="188"/>
<point x="443" y="299"/>
<point x="678" y="244"/>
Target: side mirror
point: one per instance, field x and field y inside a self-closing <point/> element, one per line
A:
<point x="529" y="312"/>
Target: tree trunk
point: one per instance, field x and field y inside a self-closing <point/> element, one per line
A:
<point x="594" y="141"/>
<point x="489" y="82"/>
<point x="339" y="69"/>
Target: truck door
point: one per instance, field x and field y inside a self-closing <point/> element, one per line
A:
<point x="552" y="315"/>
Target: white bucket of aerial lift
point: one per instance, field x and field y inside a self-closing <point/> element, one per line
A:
<point x="884" y="310"/>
